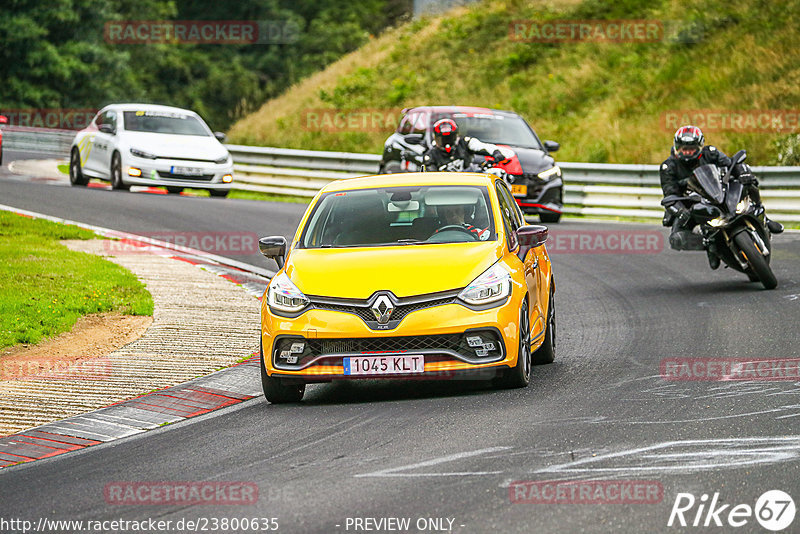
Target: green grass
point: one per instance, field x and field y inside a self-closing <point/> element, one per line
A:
<point x="603" y="101"/>
<point x="46" y="287"/>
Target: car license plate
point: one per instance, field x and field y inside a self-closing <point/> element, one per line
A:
<point x="521" y="190"/>
<point x="383" y="365"/>
<point x="187" y="171"/>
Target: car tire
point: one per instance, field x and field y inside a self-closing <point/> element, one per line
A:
<point x="519" y="376"/>
<point x="276" y="391"/>
<point x="546" y="352"/>
<point x="549" y="217"/>
<point x="76" y="176"/>
<point x="116" y="174"/>
<point x="174" y="190"/>
<point x="218" y="193"/>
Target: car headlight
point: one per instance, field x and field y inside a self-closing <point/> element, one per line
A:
<point x="550" y="173"/>
<point x="142" y="154"/>
<point x="493" y="285"/>
<point x="223" y="159"/>
<point x="284" y="296"/>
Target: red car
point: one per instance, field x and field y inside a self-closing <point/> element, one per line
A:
<point x="535" y="177"/>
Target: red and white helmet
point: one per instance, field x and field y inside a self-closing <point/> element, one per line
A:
<point x="445" y="134"/>
<point x="688" y="143"/>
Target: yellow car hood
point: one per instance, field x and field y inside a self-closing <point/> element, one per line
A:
<point x="403" y="270"/>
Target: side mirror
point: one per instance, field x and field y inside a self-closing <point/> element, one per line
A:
<point x="551" y="146"/>
<point x="273" y="247"/>
<point x="413" y="139"/>
<point x="220" y="136"/>
<point x="3" y="119"/>
<point x="107" y="128"/>
<point x="530" y="236"/>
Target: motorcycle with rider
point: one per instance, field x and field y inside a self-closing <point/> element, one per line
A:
<point x="713" y="203"/>
<point x="453" y="153"/>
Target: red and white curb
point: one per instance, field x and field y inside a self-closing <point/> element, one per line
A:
<point x="197" y="397"/>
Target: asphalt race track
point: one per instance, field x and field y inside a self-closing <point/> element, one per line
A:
<point x="436" y="452"/>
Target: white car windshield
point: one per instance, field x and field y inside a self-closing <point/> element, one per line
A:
<point x="167" y="122"/>
<point x="398" y="216"/>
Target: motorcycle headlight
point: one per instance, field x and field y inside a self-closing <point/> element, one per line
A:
<point x="555" y="172"/>
<point x="142" y="154"/>
<point x="491" y="286"/>
<point x="719" y="221"/>
<point x="284" y="296"/>
<point x="742" y="206"/>
<point x="223" y="159"/>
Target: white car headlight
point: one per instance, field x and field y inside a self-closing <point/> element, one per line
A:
<point x="223" y="159"/>
<point x="142" y="154"/>
<point x="284" y="296"/>
<point x="550" y="173"/>
<point x="493" y="285"/>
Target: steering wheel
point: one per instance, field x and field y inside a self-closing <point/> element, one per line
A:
<point x="457" y="227"/>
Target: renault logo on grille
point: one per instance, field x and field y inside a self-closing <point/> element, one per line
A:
<point x="382" y="309"/>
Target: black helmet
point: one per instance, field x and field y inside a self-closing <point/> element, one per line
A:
<point x="688" y="142"/>
<point x="445" y="134"/>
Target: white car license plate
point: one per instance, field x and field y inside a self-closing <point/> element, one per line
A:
<point x="187" y="171"/>
<point x="383" y="365"/>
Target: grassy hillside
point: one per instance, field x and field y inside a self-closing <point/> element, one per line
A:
<point x="603" y="101"/>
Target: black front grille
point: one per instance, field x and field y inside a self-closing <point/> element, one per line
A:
<point x="384" y="344"/>
<point x="199" y="178"/>
<point x="330" y="351"/>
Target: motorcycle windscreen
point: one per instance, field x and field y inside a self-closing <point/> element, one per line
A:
<point x="706" y="181"/>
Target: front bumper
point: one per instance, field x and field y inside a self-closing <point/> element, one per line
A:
<point x="438" y="333"/>
<point x="540" y="197"/>
<point x="159" y="172"/>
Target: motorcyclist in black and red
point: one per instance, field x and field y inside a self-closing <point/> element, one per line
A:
<point x="688" y="153"/>
<point x="453" y="153"/>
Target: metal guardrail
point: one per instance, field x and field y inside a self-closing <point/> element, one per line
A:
<point x="590" y="188"/>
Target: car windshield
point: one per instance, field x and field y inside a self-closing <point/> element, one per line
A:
<point x="167" y="122"/>
<point x="400" y="216"/>
<point x="495" y="129"/>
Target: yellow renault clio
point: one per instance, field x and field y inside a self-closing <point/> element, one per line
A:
<point x="411" y="275"/>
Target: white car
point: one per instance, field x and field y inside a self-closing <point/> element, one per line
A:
<point x="149" y="145"/>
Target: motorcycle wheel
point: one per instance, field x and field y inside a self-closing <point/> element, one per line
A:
<point x="756" y="260"/>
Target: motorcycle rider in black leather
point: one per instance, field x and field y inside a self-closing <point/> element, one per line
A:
<point x="688" y="153"/>
<point x="453" y="153"/>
